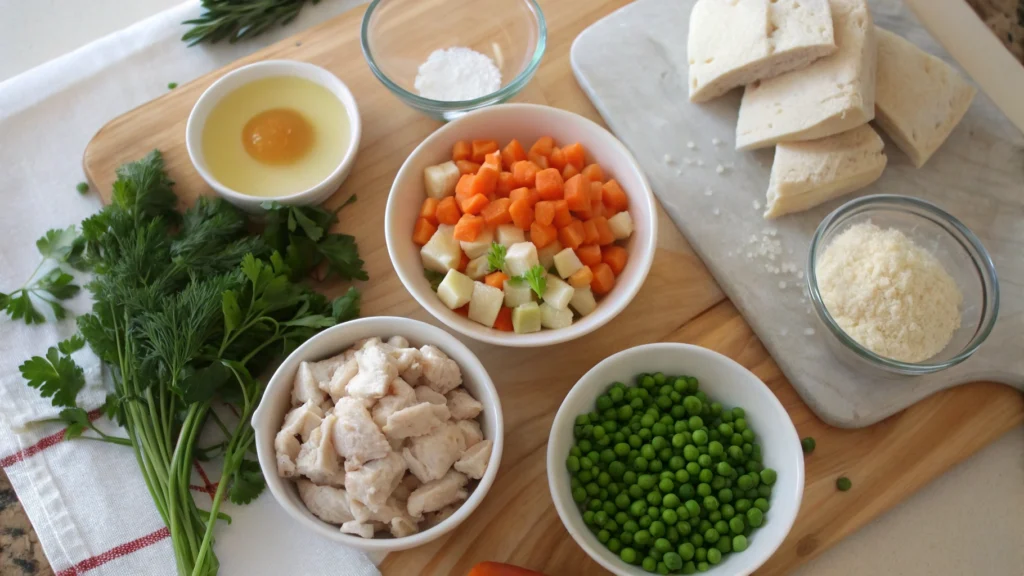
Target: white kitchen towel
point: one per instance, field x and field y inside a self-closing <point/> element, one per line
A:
<point x="87" y="500"/>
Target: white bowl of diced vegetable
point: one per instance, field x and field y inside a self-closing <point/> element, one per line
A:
<point x="521" y="225"/>
<point x="690" y="430"/>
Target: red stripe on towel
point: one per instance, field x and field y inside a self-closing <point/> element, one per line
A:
<point x="115" y="553"/>
<point x="55" y="438"/>
<point x="209" y="487"/>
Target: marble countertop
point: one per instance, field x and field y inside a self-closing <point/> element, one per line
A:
<point x="20" y="552"/>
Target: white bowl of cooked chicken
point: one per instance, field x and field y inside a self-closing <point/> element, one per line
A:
<point x="381" y="433"/>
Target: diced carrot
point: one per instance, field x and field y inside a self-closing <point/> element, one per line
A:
<point x="581" y="278"/>
<point x="448" y="211"/>
<point x="423" y="230"/>
<point x="474" y="204"/>
<point x="540" y="161"/>
<point x="496" y="213"/>
<point x="614" y="196"/>
<point x="468" y="228"/>
<point x="512" y="153"/>
<point x="590" y="235"/>
<point x="493" y="160"/>
<point x="529" y="194"/>
<point x="603" y="280"/>
<point x="429" y="210"/>
<point x="615" y="257"/>
<point x="463" y="261"/>
<point x="594" y="172"/>
<point x="522" y="213"/>
<point x="562" y="216"/>
<point x="481" y="148"/>
<point x="467" y="167"/>
<point x="544" y="212"/>
<point x="542" y="234"/>
<point x="485" y="182"/>
<point x="550" y="184"/>
<point x="557" y="159"/>
<point x="577" y="193"/>
<point x="504" y="184"/>
<point x="589" y="254"/>
<point x="569" y="171"/>
<point x="605" y="236"/>
<point x="463" y="187"/>
<point x="463" y="310"/>
<point x="504" y="320"/>
<point x="543" y="146"/>
<point x="571" y="236"/>
<point x="524" y="173"/>
<point x="462" y="151"/>
<point x="496" y="279"/>
<point x="575" y="155"/>
<point x="596" y="205"/>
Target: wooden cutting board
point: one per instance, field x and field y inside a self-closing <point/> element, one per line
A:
<point x="680" y="302"/>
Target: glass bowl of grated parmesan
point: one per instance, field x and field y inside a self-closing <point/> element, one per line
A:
<point x="445" y="58"/>
<point x="901" y="285"/>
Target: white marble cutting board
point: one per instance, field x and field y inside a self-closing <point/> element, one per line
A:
<point x="633" y="66"/>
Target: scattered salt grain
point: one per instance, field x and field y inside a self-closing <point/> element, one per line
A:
<point x="668" y="159"/>
<point x="716" y="211"/>
<point x="457" y="73"/>
<point x="756" y="204"/>
<point x="691" y="145"/>
<point x="720" y="169"/>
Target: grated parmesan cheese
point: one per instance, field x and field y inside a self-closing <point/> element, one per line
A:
<point x="888" y="294"/>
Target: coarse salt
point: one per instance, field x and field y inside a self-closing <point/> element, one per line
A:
<point x="691" y="145"/>
<point x="720" y="169"/>
<point x="457" y="73"/>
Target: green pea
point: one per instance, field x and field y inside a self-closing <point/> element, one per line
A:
<point x="843" y="484"/>
<point x="738" y="412"/>
<point x="642" y="538"/>
<point x="638" y="508"/>
<point x="666" y="485"/>
<point x="700" y="437"/>
<point x="715" y="516"/>
<point x="676" y="463"/>
<point x="656" y="466"/>
<point x="628" y="555"/>
<point x="686" y="551"/>
<point x="621" y="517"/>
<point x="649" y="564"/>
<point x="764" y="491"/>
<point x="693" y="508"/>
<point x="727" y="510"/>
<point x="624" y="413"/>
<point x="742" y="506"/>
<point x="682" y="476"/>
<point x="768" y="476"/>
<point x="718" y="482"/>
<point x="695" y="423"/>
<point x="622" y="501"/>
<point x="686" y="492"/>
<point x="724" y="469"/>
<point x="736" y="525"/>
<point x="740" y="424"/>
<point x="670" y="501"/>
<point x="697" y="540"/>
<point x="748" y="435"/>
<point x="710" y="503"/>
<point x="739" y="543"/>
<point x="647" y="421"/>
<point x="692" y="405"/>
<point x="703" y="567"/>
<point x="662" y="545"/>
<point x="654" y="498"/>
<point x="690" y="452"/>
<point x="808" y="444"/>
<point x="755" y="517"/>
<point x="725" y="495"/>
<point x="744" y="483"/>
<point x="703" y="490"/>
<point x="711" y="536"/>
<point x="579" y="494"/>
<point x="659" y="443"/>
<point x="706" y="476"/>
<point x="692" y="467"/>
<point x="714" y="556"/>
<point x="640" y="463"/>
<point x="736" y="440"/>
<point x="629" y="477"/>
<point x="735" y="452"/>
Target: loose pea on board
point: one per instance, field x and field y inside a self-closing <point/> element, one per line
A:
<point x="666" y="478"/>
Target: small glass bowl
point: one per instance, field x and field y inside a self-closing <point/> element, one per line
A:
<point x="399" y="35"/>
<point x="956" y="247"/>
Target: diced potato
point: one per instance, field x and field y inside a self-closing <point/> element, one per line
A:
<point x="442" y="252"/>
<point x="485" y="304"/>
<point x="520" y="258"/>
<point x="551" y="317"/>
<point x="516" y="293"/>
<point x="507" y="235"/>
<point x="455" y="290"/>
<point x="583" y="301"/>
<point x="526" y="318"/>
<point x="558" y="293"/>
<point x="546" y="255"/>
<point x="478" y="267"/>
<point x="621" y="225"/>
<point x="440" y="180"/>
<point x="567" y="263"/>
<point x="480" y="246"/>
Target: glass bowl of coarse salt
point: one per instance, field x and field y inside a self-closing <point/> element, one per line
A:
<point x="446" y="58"/>
<point x="901" y="284"/>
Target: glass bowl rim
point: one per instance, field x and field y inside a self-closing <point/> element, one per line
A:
<point x="901" y="203"/>
<point x="508" y="90"/>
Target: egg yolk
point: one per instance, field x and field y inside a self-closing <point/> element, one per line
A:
<point x="277" y="136"/>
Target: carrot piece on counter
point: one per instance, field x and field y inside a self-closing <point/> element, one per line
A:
<point x="496" y="279"/>
<point x="481" y="148"/>
<point x="575" y="155"/>
<point x="512" y="153"/>
<point x="429" y="210"/>
<point x="577" y="193"/>
<point x="614" y="196"/>
<point x="590" y="235"/>
<point x="462" y="150"/>
<point x="589" y="254"/>
<point x="550" y="184"/>
<point x="496" y="213"/>
<point x="540" y="161"/>
<point x="605" y="236"/>
<point x="569" y="171"/>
<point x="485" y="182"/>
<point x="557" y="159"/>
<point x="504" y="323"/>
<point x="524" y="173"/>
<point x="544" y="212"/>
<point x="603" y="280"/>
<point x="468" y="228"/>
<point x="474" y="204"/>
<point x="448" y="211"/>
<point x="522" y="213"/>
<point x="504" y="184"/>
<point x="562" y="216"/>
<point x="529" y="194"/>
<point x="464" y="310"/>
<point x="467" y="167"/>
<point x="571" y="236"/>
<point x="497" y="568"/>
<point x="542" y="234"/>
<point x="543" y="146"/>
<point x="615" y="257"/>
<point x="581" y="278"/>
<point x="423" y="230"/>
<point x="594" y="172"/>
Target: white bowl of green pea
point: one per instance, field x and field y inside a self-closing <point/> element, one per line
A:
<point x="674" y="459"/>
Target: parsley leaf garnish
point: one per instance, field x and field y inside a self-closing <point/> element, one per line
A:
<point x="63" y="248"/>
<point x="536" y="277"/>
<point x="56" y="375"/>
<point x="496" y="256"/>
<point x="247" y="483"/>
<point x="435" y="278"/>
<point x="302" y="235"/>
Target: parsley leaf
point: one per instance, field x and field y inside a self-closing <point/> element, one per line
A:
<point x="435" y="278"/>
<point x="301" y="234"/>
<point x="57" y="243"/>
<point x="56" y="376"/>
<point x="346" y="307"/>
<point x="496" y="256"/>
<point x="536" y="277"/>
<point x="247" y="483"/>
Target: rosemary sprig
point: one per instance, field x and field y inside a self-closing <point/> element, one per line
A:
<point x="236" y="20"/>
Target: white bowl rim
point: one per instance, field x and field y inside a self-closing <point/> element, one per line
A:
<point x="554" y="462"/>
<point x="586" y="325"/>
<point x="210" y="97"/>
<point x="384" y="325"/>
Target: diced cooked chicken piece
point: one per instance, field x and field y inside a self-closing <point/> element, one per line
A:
<point x="405" y="358"/>
<point x="367" y="343"/>
<point x="326" y="503"/>
<point x="470" y="432"/>
<point x="356" y="437"/>
<point x="403" y="526"/>
<point x="342" y="376"/>
<point x="299" y="422"/>
<point x="427" y="394"/>
<point x="434" y="518"/>
<point x="358" y="528"/>
<point x="413" y="373"/>
<point x="430" y="456"/>
<point x="437" y="494"/>
<point x="400" y="395"/>
<point x="473" y="462"/>
<point x="398" y="342"/>
<point x="440" y="372"/>
<point x="385" y="513"/>
<point x="462" y="406"/>
<point x="306" y="387"/>
<point x="375" y="480"/>
<point x="396" y="444"/>
<point x="318" y="460"/>
<point x="416" y="420"/>
<point x="376" y="371"/>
